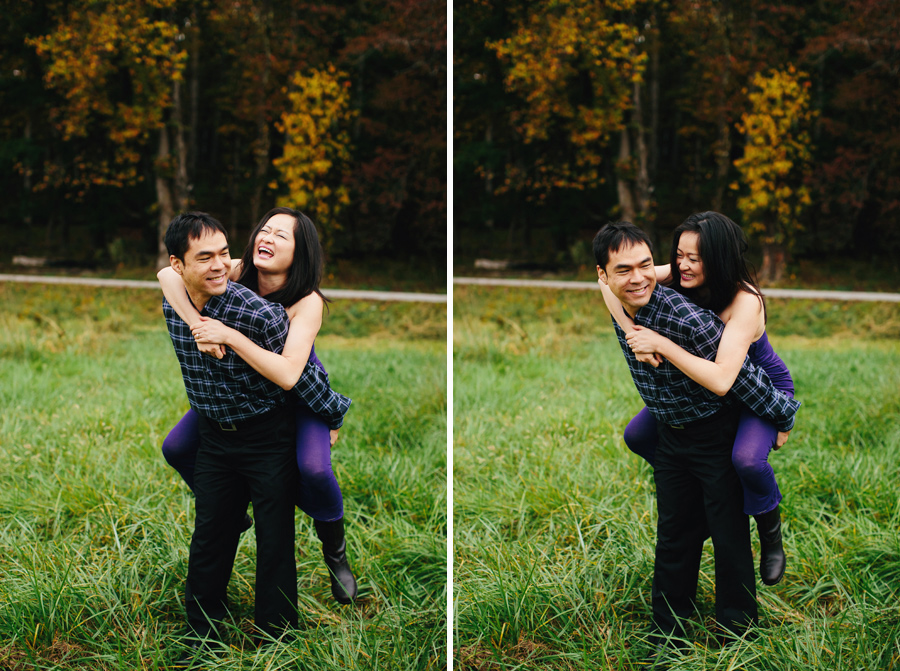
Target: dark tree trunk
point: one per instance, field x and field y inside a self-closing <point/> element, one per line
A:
<point x="194" y="94"/>
<point x="182" y="184"/>
<point x="773" y="263"/>
<point x="263" y="140"/>
<point x="163" y="198"/>
<point x="627" y="206"/>
<point x="723" y="141"/>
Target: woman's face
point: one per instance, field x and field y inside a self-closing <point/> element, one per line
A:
<point x="690" y="265"/>
<point x="273" y="249"/>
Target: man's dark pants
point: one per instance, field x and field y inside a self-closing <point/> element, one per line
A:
<point x="694" y="478"/>
<point x="256" y="459"/>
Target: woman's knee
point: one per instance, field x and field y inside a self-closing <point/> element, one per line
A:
<point x="172" y="449"/>
<point x="639" y="442"/>
<point x="749" y="463"/>
<point x="316" y="474"/>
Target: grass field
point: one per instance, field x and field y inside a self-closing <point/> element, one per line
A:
<point x="94" y="526"/>
<point x="554" y="519"/>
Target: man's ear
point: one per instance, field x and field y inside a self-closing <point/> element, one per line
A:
<point x="601" y="274"/>
<point x="177" y="264"/>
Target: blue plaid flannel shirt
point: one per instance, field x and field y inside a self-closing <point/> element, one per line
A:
<point x="671" y="396"/>
<point x="229" y="389"/>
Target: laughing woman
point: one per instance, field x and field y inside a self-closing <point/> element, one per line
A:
<point x="708" y="266"/>
<point x="283" y="263"/>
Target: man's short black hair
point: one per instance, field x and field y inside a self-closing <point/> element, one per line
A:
<point x="614" y="236"/>
<point x="190" y="226"/>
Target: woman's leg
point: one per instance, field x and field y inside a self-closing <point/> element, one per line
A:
<point x="180" y="449"/>
<point x="181" y="445"/>
<point x="755" y="439"/>
<point x="640" y="435"/>
<point x="320" y="498"/>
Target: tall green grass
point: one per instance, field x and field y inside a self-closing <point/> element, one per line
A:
<point x="95" y="527"/>
<point x="554" y="519"/>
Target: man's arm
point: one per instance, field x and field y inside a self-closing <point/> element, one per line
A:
<point x="702" y="331"/>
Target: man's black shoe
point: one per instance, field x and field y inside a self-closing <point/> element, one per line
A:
<point x="662" y="651"/>
<point x="192" y="659"/>
<point x="245" y="523"/>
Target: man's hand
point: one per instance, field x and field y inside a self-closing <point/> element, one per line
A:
<point x="212" y="349"/>
<point x="653" y="359"/>
<point x="782" y="438"/>
<point x="333" y="435"/>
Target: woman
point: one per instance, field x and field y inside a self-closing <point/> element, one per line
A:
<point x="283" y="263"/>
<point x="708" y="266"/>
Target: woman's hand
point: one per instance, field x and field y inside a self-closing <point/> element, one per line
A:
<point x="644" y="341"/>
<point x="782" y="438"/>
<point x="211" y="331"/>
<point x="333" y="435"/>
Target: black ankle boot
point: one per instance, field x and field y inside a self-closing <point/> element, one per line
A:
<point x="771" y="549"/>
<point x="334" y="549"/>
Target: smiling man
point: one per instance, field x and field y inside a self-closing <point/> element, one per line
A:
<point x="693" y="471"/>
<point x="247" y="435"/>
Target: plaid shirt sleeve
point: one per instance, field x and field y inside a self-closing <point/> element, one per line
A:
<point x="229" y="389"/>
<point x="271" y="327"/>
<point x="752" y="386"/>
<point x="314" y="390"/>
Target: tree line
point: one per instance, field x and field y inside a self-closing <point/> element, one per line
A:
<point x="117" y="115"/>
<point x="783" y="115"/>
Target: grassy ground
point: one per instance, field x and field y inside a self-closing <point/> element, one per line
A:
<point x="554" y="518"/>
<point x="94" y="527"/>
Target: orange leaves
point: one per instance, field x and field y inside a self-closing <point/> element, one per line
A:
<point x="574" y="65"/>
<point x="114" y="66"/>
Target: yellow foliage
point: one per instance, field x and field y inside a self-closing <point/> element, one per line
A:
<point x="89" y="47"/>
<point x="558" y="43"/>
<point x="317" y="146"/>
<point x="777" y="155"/>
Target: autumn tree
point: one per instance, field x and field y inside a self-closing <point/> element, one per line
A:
<point x="118" y="67"/>
<point x="708" y="39"/>
<point x="776" y="162"/>
<point x="856" y="186"/>
<point x="317" y="149"/>
<point x="251" y="50"/>
<point x="574" y="66"/>
<point x="396" y="55"/>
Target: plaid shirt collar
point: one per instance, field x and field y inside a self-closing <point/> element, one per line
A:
<point x="228" y="389"/>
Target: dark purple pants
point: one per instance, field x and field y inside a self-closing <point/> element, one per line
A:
<point x="750" y="456"/>
<point x="319" y="494"/>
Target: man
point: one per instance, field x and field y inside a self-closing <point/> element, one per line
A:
<point x="693" y="471"/>
<point x="247" y="435"/>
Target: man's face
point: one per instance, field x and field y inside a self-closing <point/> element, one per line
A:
<point x="630" y="275"/>
<point x="205" y="266"/>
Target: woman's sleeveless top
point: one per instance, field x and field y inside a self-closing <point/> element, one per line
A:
<point x="762" y="355"/>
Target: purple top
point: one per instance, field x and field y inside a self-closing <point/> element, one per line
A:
<point x="313" y="359"/>
<point x="762" y="354"/>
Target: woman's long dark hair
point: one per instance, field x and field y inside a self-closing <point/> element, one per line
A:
<point x="726" y="271"/>
<point x="306" y="269"/>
